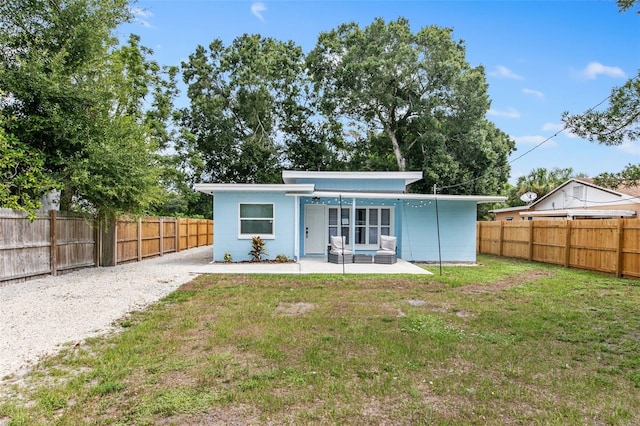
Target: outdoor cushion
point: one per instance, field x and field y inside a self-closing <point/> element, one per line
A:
<point x="337" y="246"/>
<point x="388" y="243"/>
<point x="385" y="252"/>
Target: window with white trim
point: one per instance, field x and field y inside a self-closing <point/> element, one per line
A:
<point x="256" y="220"/>
<point x="369" y="224"/>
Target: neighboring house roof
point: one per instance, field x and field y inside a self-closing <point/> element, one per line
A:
<point x="571" y="213"/>
<point x="622" y="197"/>
<point x="510" y="209"/>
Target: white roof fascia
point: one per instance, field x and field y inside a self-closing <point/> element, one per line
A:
<point x="581" y="212"/>
<point x="409" y="196"/>
<point x="289" y="176"/>
<point x="509" y="209"/>
<point x="211" y="188"/>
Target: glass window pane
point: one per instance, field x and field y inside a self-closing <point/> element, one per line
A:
<point x="333" y="231"/>
<point x="256" y="227"/>
<point x="256" y="210"/>
<point x="345" y="233"/>
<point x="361" y="216"/>
<point x="333" y="216"/>
<point x="345" y="217"/>
<point x="385" y="230"/>
<point x="373" y="235"/>
<point x="385" y="217"/>
<point x="373" y="216"/>
<point x="361" y="235"/>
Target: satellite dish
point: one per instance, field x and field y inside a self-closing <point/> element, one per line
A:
<point x="528" y="197"/>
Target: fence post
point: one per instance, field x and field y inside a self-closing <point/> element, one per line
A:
<point x="177" y="239"/>
<point x="96" y="241"/>
<point x="531" y="234"/>
<point x="567" y="243"/>
<point x="478" y="233"/>
<point x="619" y="248"/>
<point x="139" y="235"/>
<point x="500" y="238"/>
<point x="53" y="254"/>
<point x="161" y="222"/>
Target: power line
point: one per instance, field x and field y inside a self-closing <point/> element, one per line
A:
<point x="536" y="146"/>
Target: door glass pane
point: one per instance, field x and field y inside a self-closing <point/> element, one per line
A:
<point x="373" y="235"/>
<point x="385" y="230"/>
<point x="361" y="235"/>
<point x="345" y="217"/>
<point x="256" y="227"/>
<point x="385" y="216"/>
<point x="333" y="217"/>
<point x="345" y="233"/>
<point x="373" y="216"/>
<point x="361" y="216"/>
<point x="256" y="210"/>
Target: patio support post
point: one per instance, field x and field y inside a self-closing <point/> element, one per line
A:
<point x="296" y="227"/>
<point x="352" y="225"/>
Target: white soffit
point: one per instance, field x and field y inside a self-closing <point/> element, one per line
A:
<point x="211" y="188"/>
<point x="290" y="176"/>
<point x="408" y="196"/>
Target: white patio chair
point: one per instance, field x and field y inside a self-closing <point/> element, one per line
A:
<point x="387" y="252"/>
<point x="338" y="252"/>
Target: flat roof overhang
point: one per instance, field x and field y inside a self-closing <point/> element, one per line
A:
<point x="290" y="176"/>
<point x="408" y="196"/>
<point x="580" y="213"/>
<point x="293" y="189"/>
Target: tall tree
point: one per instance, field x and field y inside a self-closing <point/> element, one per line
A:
<point x="76" y="97"/>
<point x="414" y="96"/>
<point x="618" y="123"/>
<point x="248" y="103"/>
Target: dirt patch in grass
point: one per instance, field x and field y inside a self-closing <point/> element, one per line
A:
<point x="294" y="309"/>
<point x="505" y="283"/>
<point x="232" y="415"/>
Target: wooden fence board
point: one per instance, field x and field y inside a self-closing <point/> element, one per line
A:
<point x="57" y="241"/>
<point x="610" y="245"/>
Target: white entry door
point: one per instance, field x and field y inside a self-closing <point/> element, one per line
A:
<point x="314" y="229"/>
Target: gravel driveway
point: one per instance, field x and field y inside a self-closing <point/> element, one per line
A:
<point x="37" y="316"/>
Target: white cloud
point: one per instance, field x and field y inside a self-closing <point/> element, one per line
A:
<point x="593" y="69"/>
<point x="504" y="72"/>
<point x="630" y="147"/>
<point x="508" y="113"/>
<point x="552" y="127"/>
<point x="140" y="15"/>
<point x="535" y="93"/>
<point x="535" y="140"/>
<point x="257" y="9"/>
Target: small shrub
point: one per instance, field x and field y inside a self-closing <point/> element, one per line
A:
<point x="257" y="249"/>
<point x="227" y="257"/>
<point x="282" y="258"/>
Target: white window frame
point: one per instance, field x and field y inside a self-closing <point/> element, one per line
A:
<point x="270" y="236"/>
<point x="352" y="218"/>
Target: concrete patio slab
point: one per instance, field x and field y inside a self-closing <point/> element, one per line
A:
<point x="308" y="265"/>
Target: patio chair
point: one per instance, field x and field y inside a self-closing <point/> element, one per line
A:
<point x="338" y="252"/>
<point x="387" y="252"/>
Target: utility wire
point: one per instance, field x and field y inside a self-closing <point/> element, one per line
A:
<point x="536" y="146"/>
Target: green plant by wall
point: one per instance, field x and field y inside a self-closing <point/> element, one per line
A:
<point x="227" y="257"/>
<point x="282" y="258"/>
<point x="258" y="249"/>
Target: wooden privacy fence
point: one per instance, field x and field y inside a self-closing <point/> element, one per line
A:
<point x="56" y="242"/>
<point x="611" y="245"/>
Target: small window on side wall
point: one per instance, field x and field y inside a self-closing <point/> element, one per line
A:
<point x="256" y="220"/>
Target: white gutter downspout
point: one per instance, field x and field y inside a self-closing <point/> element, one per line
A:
<point x="352" y="226"/>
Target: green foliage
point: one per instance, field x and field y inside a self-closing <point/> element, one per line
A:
<point x="411" y="102"/>
<point x="96" y="112"/>
<point x="227" y="257"/>
<point x="539" y="181"/>
<point x="258" y="249"/>
<point x="22" y="178"/>
<point x="282" y="258"/>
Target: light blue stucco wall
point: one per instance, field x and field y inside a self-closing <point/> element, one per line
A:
<point x="225" y="225"/>
<point x="457" y="231"/>
<point x="356" y="184"/>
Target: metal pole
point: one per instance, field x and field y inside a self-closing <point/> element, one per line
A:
<point x="438" y="228"/>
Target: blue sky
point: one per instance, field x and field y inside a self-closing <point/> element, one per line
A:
<point x="541" y="57"/>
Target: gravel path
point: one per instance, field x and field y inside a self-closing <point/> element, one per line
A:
<point x="37" y="316"/>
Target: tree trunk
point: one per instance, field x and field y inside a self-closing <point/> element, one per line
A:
<point x="402" y="162"/>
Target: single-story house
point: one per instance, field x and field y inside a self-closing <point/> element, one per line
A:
<point x="578" y="198"/>
<point x="298" y="217"/>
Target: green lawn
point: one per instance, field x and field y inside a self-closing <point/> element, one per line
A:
<point x="507" y="342"/>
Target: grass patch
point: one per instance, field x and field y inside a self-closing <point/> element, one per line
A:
<point x="504" y="342"/>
